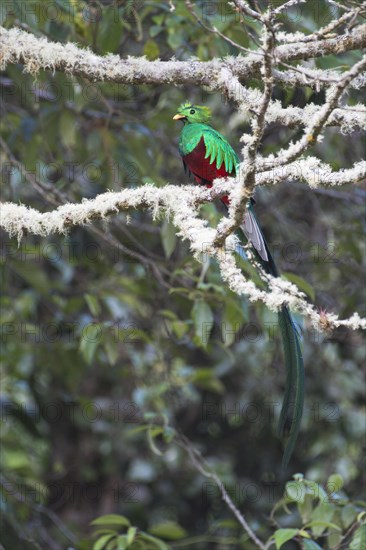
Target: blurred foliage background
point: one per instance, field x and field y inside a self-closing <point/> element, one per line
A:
<point x="103" y="329"/>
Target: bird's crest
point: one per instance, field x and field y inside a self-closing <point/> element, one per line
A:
<point x="201" y="112"/>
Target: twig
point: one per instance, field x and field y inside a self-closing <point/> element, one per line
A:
<point x="42" y="509"/>
<point x="214" y="30"/>
<point x="245" y="188"/>
<point x="244" y="8"/>
<point x="314" y="77"/>
<point x="317" y="124"/>
<point x="287" y="5"/>
<point x="201" y="464"/>
<point x="324" y="31"/>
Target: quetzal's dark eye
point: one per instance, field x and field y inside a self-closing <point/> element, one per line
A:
<point x="192" y="111"/>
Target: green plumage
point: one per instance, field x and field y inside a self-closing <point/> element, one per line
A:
<point x="218" y="149"/>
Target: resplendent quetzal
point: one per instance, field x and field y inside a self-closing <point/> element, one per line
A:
<point x="208" y="155"/>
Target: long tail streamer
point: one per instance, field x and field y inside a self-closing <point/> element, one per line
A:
<point x="293" y="401"/>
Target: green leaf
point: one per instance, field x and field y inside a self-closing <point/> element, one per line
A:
<point x="321" y="517"/>
<point x="3" y="15"/>
<point x="104" y="531"/>
<point x="88" y="349"/>
<point x="138" y="429"/>
<point x="131" y="534"/>
<point x="110" y="33"/>
<point x="359" y="539"/>
<point x="111" y="519"/>
<point x="233" y="317"/>
<point x="334" y="539"/>
<point x="168" y="238"/>
<point x="89" y="342"/>
<point x="168" y="530"/>
<point x="203" y="320"/>
<point x="180" y="328"/>
<point x="323" y="524"/>
<point x="159" y="544"/>
<point x="158" y="19"/>
<point x="151" y="434"/>
<point x="205" y="378"/>
<point x="33" y="277"/>
<point x="14" y="459"/>
<point x="155" y="30"/>
<point x="295" y="491"/>
<point x="122" y="542"/>
<point x="68" y="129"/>
<point x="112" y="350"/>
<point x="305" y="508"/>
<point x="213" y="385"/>
<point x="316" y="490"/>
<point x="93" y="304"/>
<point x="168" y="434"/>
<point x="101" y="543"/>
<point x="151" y="50"/>
<point x="310" y="545"/>
<point x="335" y="483"/>
<point x="168" y="314"/>
<point x="175" y="38"/>
<point x="348" y="515"/>
<point x="283" y="535"/>
<point x="226" y="524"/>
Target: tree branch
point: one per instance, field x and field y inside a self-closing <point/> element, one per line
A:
<point x="244" y="190"/>
<point x="200" y="463"/>
<point x="324" y="31"/>
<point x="316" y="78"/>
<point x="18" y="46"/>
<point x="182" y="204"/>
<point x="318" y="122"/>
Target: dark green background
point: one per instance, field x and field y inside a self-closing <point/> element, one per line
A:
<point x="94" y="338"/>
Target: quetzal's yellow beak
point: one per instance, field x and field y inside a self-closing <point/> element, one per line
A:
<point x="178" y="117"/>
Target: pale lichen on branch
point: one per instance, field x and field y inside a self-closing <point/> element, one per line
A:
<point x="181" y="203"/>
<point x="269" y="66"/>
<point x="226" y="76"/>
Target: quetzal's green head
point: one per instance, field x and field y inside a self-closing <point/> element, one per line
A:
<point x="190" y="114"/>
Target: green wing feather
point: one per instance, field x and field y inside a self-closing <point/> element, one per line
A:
<point x="219" y="150"/>
<point x="219" y="158"/>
